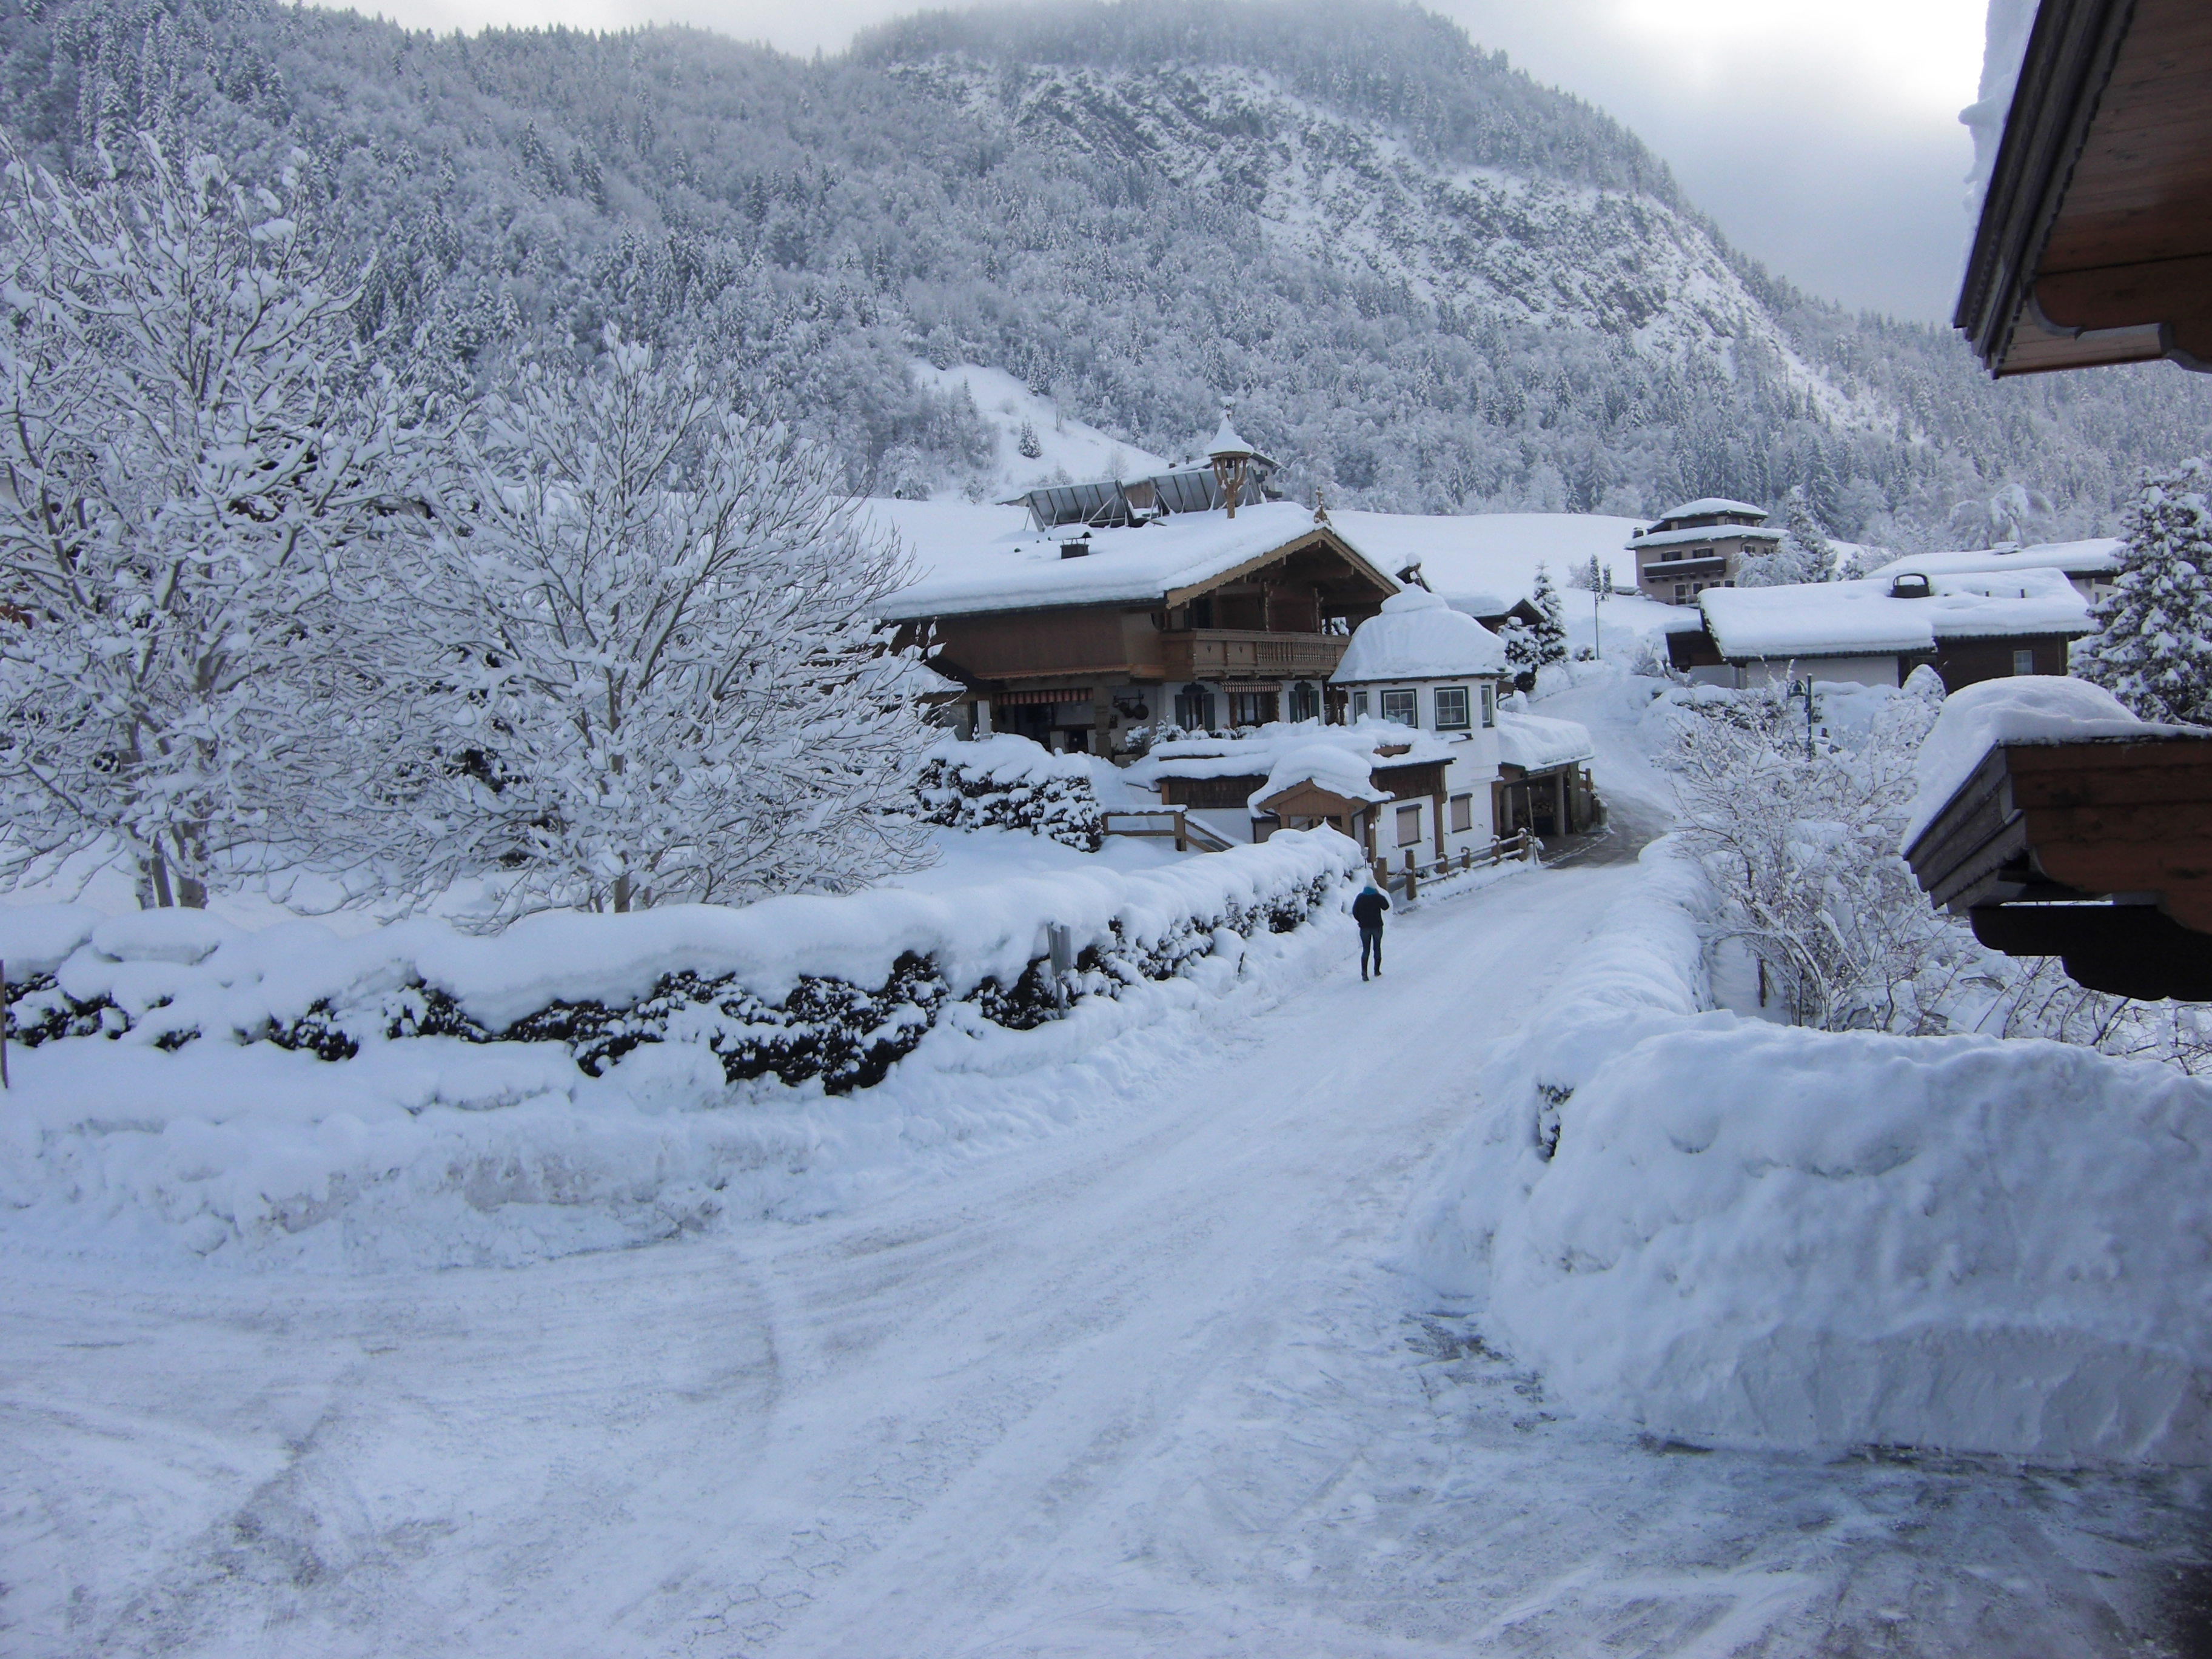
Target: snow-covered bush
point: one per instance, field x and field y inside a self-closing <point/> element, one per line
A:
<point x="193" y="450"/>
<point x="2153" y="649"/>
<point x="1009" y="783"/>
<point x="834" y="989"/>
<point x="1804" y="554"/>
<point x="633" y="660"/>
<point x="1798" y="826"/>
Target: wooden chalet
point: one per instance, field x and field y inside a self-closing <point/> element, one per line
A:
<point x="2094" y="246"/>
<point x="1118" y="611"/>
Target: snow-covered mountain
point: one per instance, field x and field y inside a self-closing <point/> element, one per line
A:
<point x="1430" y="284"/>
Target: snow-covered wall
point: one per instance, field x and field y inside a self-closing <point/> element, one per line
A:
<point x="1738" y="1233"/>
<point x="584" y="1080"/>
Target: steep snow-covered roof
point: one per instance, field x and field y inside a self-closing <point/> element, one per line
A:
<point x="1706" y="505"/>
<point x="1537" y="741"/>
<point x="1419" y="636"/>
<point x="1022" y="568"/>
<point x="2089" y="558"/>
<point x="2027" y="708"/>
<point x="1860" y="618"/>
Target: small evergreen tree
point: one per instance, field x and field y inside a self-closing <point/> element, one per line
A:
<point x="2154" y="646"/>
<point x="1804" y="554"/>
<point x="1029" y="445"/>
<point x="1530" y="647"/>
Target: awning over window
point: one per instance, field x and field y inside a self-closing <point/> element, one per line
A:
<point x="1063" y="693"/>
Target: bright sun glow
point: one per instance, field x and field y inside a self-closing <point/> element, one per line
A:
<point x="1925" y="55"/>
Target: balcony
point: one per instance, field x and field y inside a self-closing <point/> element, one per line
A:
<point x="1232" y="653"/>
<point x="1676" y="569"/>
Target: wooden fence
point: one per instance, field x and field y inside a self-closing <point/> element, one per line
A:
<point x="1408" y="881"/>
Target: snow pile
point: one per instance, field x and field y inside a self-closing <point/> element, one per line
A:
<point x="1419" y="636"/>
<point x="1256" y="753"/>
<point x="1329" y="766"/>
<point x="1009" y="783"/>
<point x="2027" y="708"/>
<point x="1731" y="1231"/>
<point x="583" y="1080"/>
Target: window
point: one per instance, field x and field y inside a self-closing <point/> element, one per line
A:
<point x="1306" y="701"/>
<point x="1409" y="824"/>
<point x="1489" y="705"/>
<point x="1451" y="708"/>
<point x="1401" y="707"/>
<point x="1681" y="591"/>
<point x="1251" y="707"/>
<point x="2023" y="662"/>
<point x="1360" y="705"/>
<point x="1463" y="814"/>
<point x="1193" y="708"/>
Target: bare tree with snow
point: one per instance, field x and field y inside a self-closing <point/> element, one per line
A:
<point x="641" y="658"/>
<point x="190" y="445"/>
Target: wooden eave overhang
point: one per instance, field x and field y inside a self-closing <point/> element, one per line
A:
<point x="2097" y="852"/>
<point x="2094" y="244"/>
<point x="1320" y="536"/>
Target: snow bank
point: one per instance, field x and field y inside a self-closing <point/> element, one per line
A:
<point x="1731" y="1231"/>
<point x="584" y="1080"/>
<point x="2026" y="709"/>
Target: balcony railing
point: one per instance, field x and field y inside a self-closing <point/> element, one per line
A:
<point x="1232" y="653"/>
<point x="1660" y="569"/>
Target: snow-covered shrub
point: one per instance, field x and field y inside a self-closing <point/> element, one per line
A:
<point x="1798" y="824"/>
<point x="1530" y="647"/>
<point x="1008" y="782"/>
<point x="2153" y="649"/>
<point x="837" y="989"/>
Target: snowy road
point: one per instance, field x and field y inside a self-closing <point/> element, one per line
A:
<point x="1149" y="1386"/>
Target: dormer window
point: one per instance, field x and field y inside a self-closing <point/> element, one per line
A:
<point x="1451" y="708"/>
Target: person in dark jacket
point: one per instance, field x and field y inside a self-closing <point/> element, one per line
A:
<point x="1367" y="910"/>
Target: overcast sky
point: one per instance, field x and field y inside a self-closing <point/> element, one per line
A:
<point x="1824" y="139"/>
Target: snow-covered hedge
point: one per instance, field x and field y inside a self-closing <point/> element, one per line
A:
<point x="1007" y="782"/>
<point x="800" y="987"/>
<point x="1729" y="1231"/>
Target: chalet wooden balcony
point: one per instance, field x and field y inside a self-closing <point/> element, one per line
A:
<point x="1236" y="653"/>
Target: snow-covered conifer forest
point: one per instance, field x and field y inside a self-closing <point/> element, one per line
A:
<point x="1432" y="284"/>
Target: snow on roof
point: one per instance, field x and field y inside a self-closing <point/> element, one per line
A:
<point x="2089" y="558"/>
<point x="1227" y="440"/>
<point x="2026" y="709"/>
<point x="1535" y="743"/>
<point x="1255" y="754"/>
<point x="1419" y="636"/>
<point x="1749" y="532"/>
<point x="1331" y="766"/>
<point x="1022" y="568"/>
<point x="1706" y="505"/>
<point x="1860" y="618"/>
